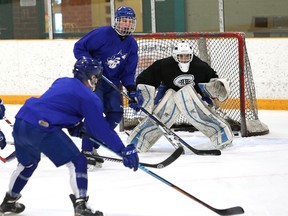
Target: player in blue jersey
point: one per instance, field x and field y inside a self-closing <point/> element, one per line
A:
<point x="118" y="51"/>
<point x="38" y="129"/>
<point x="2" y="136"/>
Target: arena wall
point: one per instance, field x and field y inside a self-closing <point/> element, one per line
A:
<point x="28" y="67"/>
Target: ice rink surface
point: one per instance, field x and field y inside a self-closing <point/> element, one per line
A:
<point x="252" y="173"/>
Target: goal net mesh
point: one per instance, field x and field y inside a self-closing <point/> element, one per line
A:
<point x="226" y="53"/>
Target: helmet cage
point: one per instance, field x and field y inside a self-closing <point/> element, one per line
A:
<point x="183" y="54"/>
<point x="125" y="25"/>
<point x="125" y="21"/>
<point x="183" y="58"/>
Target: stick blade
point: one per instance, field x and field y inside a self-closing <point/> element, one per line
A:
<point x="3" y="159"/>
<point x="230" y="211"/>
<point x="208" y="152"/>
<point x="177" y="153"/>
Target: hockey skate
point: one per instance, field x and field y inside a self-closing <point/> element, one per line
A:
<point x="9" y="204"/>
<point x="81" y="209"/>
<point x="94" y="160"/>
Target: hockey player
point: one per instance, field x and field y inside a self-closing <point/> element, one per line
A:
<point x="2" y="136"/>
<point x="179" y="80"/>
<point x="118" y="51"/>
<point x="38" y="128"/>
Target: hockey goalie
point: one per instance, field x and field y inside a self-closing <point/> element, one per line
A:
<point x="181" y="84"/>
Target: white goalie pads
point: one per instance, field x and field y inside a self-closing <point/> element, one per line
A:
<point x="216" y="88"/>
<point x="146" y="133"/>
<point x="202" y="117"/>
<point x="148" y="94"/>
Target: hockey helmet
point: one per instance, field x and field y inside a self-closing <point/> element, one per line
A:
<point x="125" y="21"/>
<point x="183" y="54"/>
<point x="88" y="69"/>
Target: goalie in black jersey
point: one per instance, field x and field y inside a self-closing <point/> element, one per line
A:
<point x="181" y="84"/>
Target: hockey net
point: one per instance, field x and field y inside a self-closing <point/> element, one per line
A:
<point x="226" y="53"/>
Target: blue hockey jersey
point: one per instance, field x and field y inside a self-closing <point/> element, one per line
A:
<point x="119" y="56"/>
<point x="64" y="104"/>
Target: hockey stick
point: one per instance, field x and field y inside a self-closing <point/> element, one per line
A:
<point x="7" y="121"/>
<point x="13" y="154"/>
<point x="228" y="211"/>
<point x="160" y="165"/>
<point x="169" y="134"/>
<point x="9" y="157"/>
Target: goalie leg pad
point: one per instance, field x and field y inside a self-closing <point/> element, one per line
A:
<point x="202" y="117"/>
<point x="146" y="133"/>
<point x="148" y="94"/>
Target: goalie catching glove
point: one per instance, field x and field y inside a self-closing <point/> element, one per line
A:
<point x="216" y="89"/>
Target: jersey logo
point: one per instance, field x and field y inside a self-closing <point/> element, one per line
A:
<point x="115" y="60"/>
<point x="183" y="80"/>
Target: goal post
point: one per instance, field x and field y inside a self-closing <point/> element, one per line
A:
<point x="226" y="53"/>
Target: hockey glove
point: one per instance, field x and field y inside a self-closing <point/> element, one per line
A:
<point x="160" y="93"/>
<point x="2" y="109"/>
<point x="130" y="157"/>
<point x="77" y="130"/>
<point x="2" y="140"/>
<point x="216" y="89"/>
<point x="136" y="99"/>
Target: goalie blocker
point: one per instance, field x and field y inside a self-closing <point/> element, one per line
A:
<point x="197" y="113"/>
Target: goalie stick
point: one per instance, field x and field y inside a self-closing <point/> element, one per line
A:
<point x="169" y="134"/>
<point x="228" y="211"/>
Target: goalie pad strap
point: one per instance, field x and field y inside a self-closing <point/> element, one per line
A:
<point x="146" y="133"/>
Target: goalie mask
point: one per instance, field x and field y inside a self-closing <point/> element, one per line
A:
<point x="88" y="70"/>
<point x="125" y="21"/>
<point x="183" y="54"/>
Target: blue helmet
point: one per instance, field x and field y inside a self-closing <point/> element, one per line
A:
<point x="125" y="21"/>
<point x="88" y="69"/>
<point x="125" y="12"/>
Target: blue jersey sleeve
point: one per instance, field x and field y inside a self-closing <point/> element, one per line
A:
<point x="96" y="124"/>
<point x="119" y="56"/>
<point x="65" y="103"/>
<point x="88" y="44"/>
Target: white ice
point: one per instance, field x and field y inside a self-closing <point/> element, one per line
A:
<point x="253" y="174"/>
